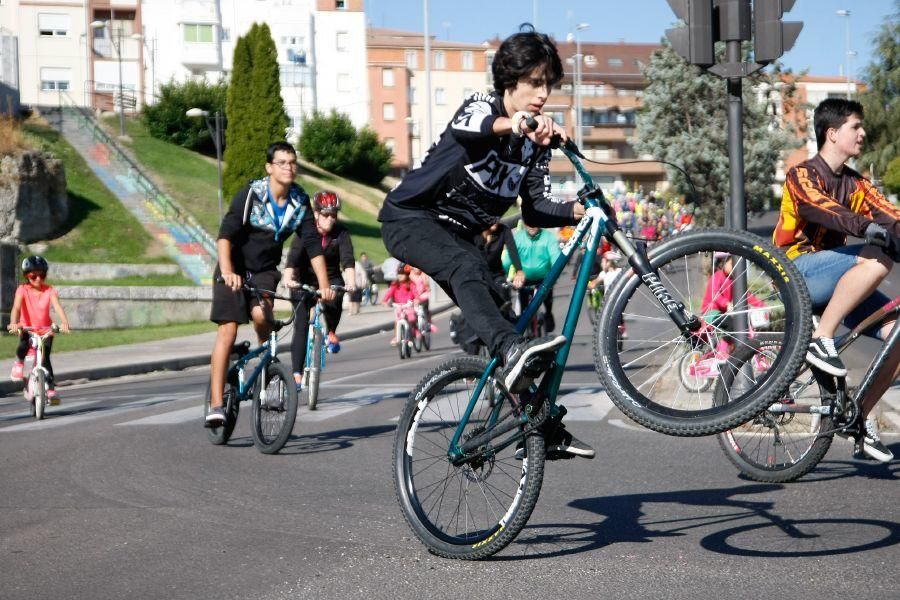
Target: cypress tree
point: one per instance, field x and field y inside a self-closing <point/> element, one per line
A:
<point x="241" y="160"/>
<point x="268" y="105"/>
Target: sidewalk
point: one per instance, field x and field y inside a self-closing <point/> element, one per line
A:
<point x="174" y="354"/>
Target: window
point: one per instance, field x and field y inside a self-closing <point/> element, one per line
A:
<point x="412" y="59"/>
<point x="340" y="4"/>
<point x="387" y="77"/>
<point x="590" y="60"/>
<point x="341" y="41"/>
<point x="225" y="32"/>
<point x="468" y="63"/>
<point x="412" y="95"/>
<point x="387" y="111"/>
<point x="53" y="79"/>
<point x="198" y="33"/>
<point x="344" y="83"/>
<point x="439" y="61"/>
<point x="53" y="25"/>
<point x="614" y="62"/>
<point x="440" y="96"/>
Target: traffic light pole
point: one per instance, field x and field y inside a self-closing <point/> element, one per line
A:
<point x="736" y="217"/>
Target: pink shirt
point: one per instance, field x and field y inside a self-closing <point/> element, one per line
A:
<point x="718" y="294"/>
<point x="35" y="305"/>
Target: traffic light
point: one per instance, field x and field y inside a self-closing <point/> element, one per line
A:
<point x="773" y="37"/>
<point x="694" y="43"/>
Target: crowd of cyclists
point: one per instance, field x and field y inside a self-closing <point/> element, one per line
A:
<point x="442" y="225"/>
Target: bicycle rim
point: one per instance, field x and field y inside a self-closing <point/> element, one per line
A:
<point x="473" y="510"/>
<point x="39" y="394"/>
<point x="274" y="409"/>
<point x="776" y="446"/>
<point x="643" y="378"/>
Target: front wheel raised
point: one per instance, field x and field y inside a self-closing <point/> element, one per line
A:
<point x="274" y="409"/>
<point x="643" y="379"/>
<point x="474" y="509"/>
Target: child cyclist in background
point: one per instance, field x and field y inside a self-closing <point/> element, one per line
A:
<point x="405" y="294"/>
<point x="31" y="308"/>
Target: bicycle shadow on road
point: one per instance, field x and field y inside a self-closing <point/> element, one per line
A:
<point x="339" y="439"/>
<point x="722" y="521"/>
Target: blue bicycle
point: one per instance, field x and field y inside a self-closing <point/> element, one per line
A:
<point x="270" y="386"/>
<point x="316" y="349"/>
<point x="469" y="455"/>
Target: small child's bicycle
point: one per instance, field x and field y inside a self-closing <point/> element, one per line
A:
<point x="422" y="335"/>
<point x="36" y="385"/>
<point x="469" y="455"/>
<point x="403" y="331"/>
<point x="270" y="386"/>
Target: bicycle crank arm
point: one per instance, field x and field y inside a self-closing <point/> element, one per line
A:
<point x="473" y="444"/>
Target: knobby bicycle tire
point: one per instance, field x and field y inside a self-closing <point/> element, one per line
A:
<point x="274" y="412"/>
<point x="492" y="496"/>
<point x="776" y="447"/>
<point x="642" y="379"/>
<point x="314" y="370"/>
<point x="39" y="394"/>
<point x="221" y="435"/>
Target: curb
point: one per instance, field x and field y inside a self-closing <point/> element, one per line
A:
<point x="178" y="364"/>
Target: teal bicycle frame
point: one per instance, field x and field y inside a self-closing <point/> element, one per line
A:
<point x="265" y="351"/>
<point x="596" y="222"/>
<point x="315" y="323"/>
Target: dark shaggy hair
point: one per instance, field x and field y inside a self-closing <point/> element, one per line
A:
<point x="278" y="147"/>
<point x="831" y="113"/>
<point x="523" y="52"/>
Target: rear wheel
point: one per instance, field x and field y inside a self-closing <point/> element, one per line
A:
<point x="780" y="444"/>
<point x="643" y="378"/>
<point x="274" y="409"/>
<point x="314" y="370"/>
<point x="221" y="435"/>
<point x="473" y="509"/>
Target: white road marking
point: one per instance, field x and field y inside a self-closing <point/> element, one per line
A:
<point x="96" y="413"/>
<point x="328" y="408"/>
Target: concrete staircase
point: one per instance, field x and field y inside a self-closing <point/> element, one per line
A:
<point x="186" y="242"/>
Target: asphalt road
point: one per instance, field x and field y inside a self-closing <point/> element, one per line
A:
<point x="118" y="494"/>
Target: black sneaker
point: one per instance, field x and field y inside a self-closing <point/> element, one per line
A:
<point x="561" y="445"/>
<point x="215" y="417"/>
<point x="526" y="359"/>
<point x="869" y="445"/>
<point x="822" y="354"/>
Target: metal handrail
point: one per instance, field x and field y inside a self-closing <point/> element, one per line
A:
<point x="169" y="208"/>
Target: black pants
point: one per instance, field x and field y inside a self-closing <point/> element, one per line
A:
<point x="25" y="344"/>
<point x="455" y="263"/>
<point x="331" y="312"/>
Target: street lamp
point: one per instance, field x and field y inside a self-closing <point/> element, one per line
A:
<point x="217" y="138"/>
<point x="117" y="46"/>
<point x="846" y="13"/>
<point x="578" y="61"/>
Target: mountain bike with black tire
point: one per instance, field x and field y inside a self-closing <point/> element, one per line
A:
<point x="460" y="484"/>
<point x="788" y="439"/>
<point x="316" y="348"/>
<point x="270" y="386"/>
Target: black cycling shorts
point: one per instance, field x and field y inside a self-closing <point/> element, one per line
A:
<point x="234" y="307"/>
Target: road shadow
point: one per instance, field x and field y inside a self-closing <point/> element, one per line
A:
<point x="329" y="441"/>
<point x="728" y="523"/>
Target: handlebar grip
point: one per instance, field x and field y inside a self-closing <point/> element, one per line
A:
<point x="532" y="123"/>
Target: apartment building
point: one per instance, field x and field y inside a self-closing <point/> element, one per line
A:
<point x="396" y="65"/>
<point x="89" y="49"/>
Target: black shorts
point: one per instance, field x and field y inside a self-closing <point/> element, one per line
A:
<point x="356" y="295"/>
<point x="234" y="307"/>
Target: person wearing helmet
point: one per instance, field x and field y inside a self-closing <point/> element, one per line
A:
<point x="404" y="293"/>
<point x="337" y="249"/>
<point x="31" y="308"/>
<point x="495" y="149"/>
<point x="262" y="216"/>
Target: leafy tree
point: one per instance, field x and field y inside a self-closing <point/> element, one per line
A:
<point x="881" y="101"/>
<point x="892" y="176"/>
<point x="331" y="142"/>
<point x="166" y="120"/>
<point x="254" y="109"/>
<point x="684" y="121"/>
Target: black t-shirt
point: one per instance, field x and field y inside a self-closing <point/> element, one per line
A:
<point x="471" y="177"/>
<point x="336" y="247"/>
<point x="256" y="235"/>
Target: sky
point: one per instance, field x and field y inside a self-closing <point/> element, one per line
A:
<point x="821" y="47"/>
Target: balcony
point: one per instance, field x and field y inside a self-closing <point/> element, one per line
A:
<point x="199" y="55"/>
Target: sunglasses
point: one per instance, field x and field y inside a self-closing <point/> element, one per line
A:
<point x="329" y="214"/>
<point x="35" y="275"/>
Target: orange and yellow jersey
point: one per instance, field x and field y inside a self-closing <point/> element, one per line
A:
<point x="820" y="208"/>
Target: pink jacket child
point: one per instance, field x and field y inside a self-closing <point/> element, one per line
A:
<point x="719" y="291"/>
<point x="400" y="293"/>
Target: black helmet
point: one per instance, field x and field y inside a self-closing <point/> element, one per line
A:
<point x="35" y="263"/>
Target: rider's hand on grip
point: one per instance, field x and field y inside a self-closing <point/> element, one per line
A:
<point x="879" y="236"/>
